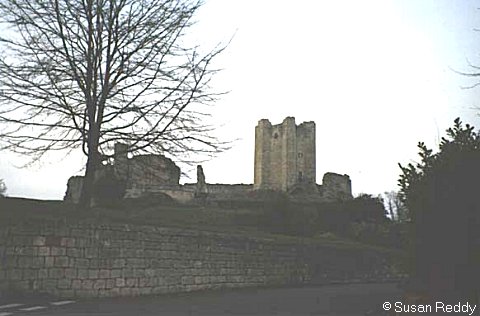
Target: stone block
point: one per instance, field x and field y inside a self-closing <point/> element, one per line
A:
<point x="70" y="273"/>
<point x="139" y="273"/>
<point x="180" y="264"/>
<point x="99" y="284"/>
<point x="119" y="263"/>
<point x="216" y="279"/>
<point x="161" y="281"/>
<point x="120" y="282"/>
<point x="159" y="290"/>
<point x="25" y="262"/>
<point x="75" y="252"/>
<point x="125" y="291"/>
<point x="150" y="273"/>
<point x="64" y="284"/>
<point x="127" y="253"/>
<point x="87" y="284"/>
<point x="42" y="273"/>
<point x="49" y="284"/>
<point x="85" y="293"/>
<point x="53" y="241"/>
<point x="187" y="280"/>
<point x="58" y="251"/>
<point x="71" y="262"/>
<point x="83" y="233"/>
<point x="66" y="294"/>
<point x="127" y="272"/>
<point x="104" y="274"/>
<point x="197" y="280"/>
<point x="136" y="263"/>
<point x="22" y="240"/>
<point x="93" y="273"/>
<point x="23" y="285"/>
<point x="82" y="273"/>
<point x="14" y="274"/>
<point x="67" y="242"/>
<point x="139" y="253"/>
<point x="135" y="291"/>
<point x="10" y="262"/>
<point x="61" y="262"/>
<point x="115" y="273"/>
<point x="91" y="253"/>
<point x="39" y="241"/>
<point x="38" y="262"/>
<point x="81" y="263"/>
<point x="116" y="243"/>
<point x="49" y="262"/>
<point x="131" y="282"/>
<point x="77" y="284"/>
<point x="42" y="251"/>
<point x="104" y="293"/>
<point x="115" y="291"/>
<point x="149" y="253"/>
<point x="145" y="291"/>
<point x="111" y="253"/>
<point x="29" y="274"/>
<point x="129" y="244"/>
<point x="80" y="242"/>
<point x="110" y="283"/>
<point x="25" y="250"/>
<point x="10" y="251"/>
<point x="145" y="282"/>
<point x="106" y="263"/>
<point x="56" y="273"/>
<point x="161" y="263"/>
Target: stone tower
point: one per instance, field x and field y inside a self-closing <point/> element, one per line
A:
<point x="284" y="155"/>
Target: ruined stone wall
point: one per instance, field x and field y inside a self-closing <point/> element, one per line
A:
<point x="151" y="170"/>
<point x="74" y="189"/>
<point x="336" y="187"/>
<point x="227" y="191"/>
<point x="180" y="194"/>
<point x="139" y="174"/>
<point x="306" y="159"/>
<point x="284" y="154"/>
<point x="93" y="260"/>
<point x="263" y="134"/>
<point x="188" y="193"/>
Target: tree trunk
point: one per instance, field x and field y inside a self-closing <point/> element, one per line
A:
<point x="93" y="164"/>
<point x="88" y="183"/>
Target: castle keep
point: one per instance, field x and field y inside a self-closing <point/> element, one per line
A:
<point x="284" y="155"/>
<point x="284" y="161"/>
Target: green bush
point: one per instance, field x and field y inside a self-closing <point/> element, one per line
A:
<point x="441" y="194"/>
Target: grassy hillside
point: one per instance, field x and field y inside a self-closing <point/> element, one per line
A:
<point x="240" y="221"/>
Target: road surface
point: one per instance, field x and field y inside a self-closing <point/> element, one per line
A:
<point x="342" y="299"/>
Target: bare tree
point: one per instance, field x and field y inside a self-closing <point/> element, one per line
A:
<point x="395" y="207"/>
<point x="88" y="73"/>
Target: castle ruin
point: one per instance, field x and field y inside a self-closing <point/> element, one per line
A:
<point x="284" y="155"/>
<point x="285" y="160"/>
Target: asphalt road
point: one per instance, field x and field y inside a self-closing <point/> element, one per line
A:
<point x="352" y="299"/>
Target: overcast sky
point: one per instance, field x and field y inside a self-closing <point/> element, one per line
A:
<point x="377" y="77"/>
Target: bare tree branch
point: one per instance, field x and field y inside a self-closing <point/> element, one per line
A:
<point x="86" y="74"/>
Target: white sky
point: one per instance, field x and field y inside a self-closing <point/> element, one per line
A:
<point x="377" y="77"/>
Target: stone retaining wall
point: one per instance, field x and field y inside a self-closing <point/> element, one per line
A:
<point x="85" y="260"/>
